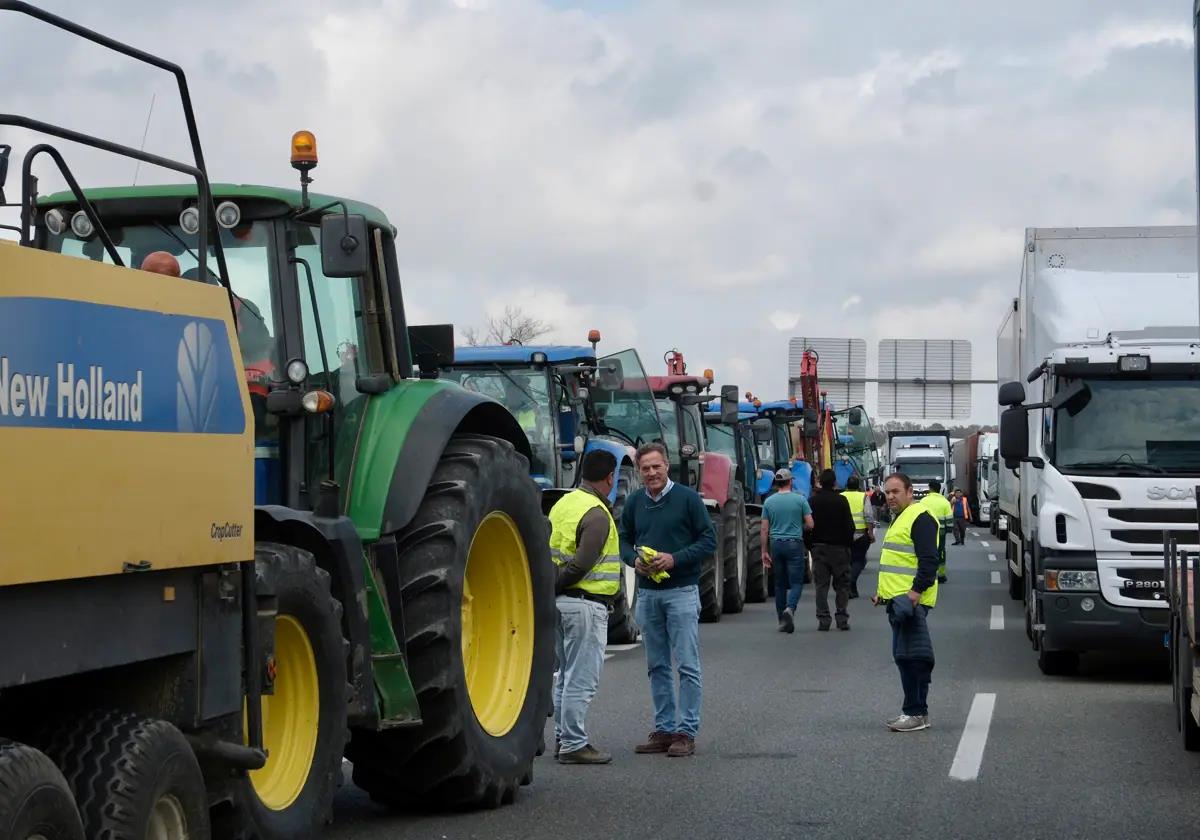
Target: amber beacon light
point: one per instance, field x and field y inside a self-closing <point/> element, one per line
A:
<point x="304" y="150"/>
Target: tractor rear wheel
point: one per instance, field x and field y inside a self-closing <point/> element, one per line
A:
<point x="733" y="552"/>
<point x="304" y="721"/>
<point x="622" y="628"/>
<point x="478" y="595"/>
<point x="757" y="575"/>
<point x="34" y="798"/>
<point x="712" y="576"/>
<point x="131" y="776"/>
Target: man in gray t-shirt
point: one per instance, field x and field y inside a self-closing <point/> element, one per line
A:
<point x="785" y="516"/>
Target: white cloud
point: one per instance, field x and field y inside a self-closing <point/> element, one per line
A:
<point x="972" y="248"/>
<point x="1091" y="52"/>
<point x="782" y="320"/>
<point x="851" y="302"/>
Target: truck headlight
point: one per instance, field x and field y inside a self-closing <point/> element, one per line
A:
<point x="1071" y="581"/>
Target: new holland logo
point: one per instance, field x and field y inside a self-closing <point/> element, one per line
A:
<point x="196" y="392"/>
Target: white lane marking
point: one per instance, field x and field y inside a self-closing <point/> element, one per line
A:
<point x="997" y="617"/>
<point x="969" y="756"/>
<point x="995" y="577"/>
<point x="984" y="543"/>
<point x="608" y="656"/>
<point x="992" y="557"/>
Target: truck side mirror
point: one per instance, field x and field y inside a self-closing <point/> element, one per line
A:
<point x="610" y="374"/>
<point x="344" y="245"/>
<point x="730" y="403"/>
<point x="5" y="151"/>
<point x="1014" y="435"/>
<point x="1011" y="393"/>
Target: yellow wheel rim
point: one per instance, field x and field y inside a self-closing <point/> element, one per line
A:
<point x="497" y="624"/>
<point x="290" y="718"/>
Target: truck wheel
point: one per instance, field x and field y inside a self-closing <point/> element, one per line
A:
<point x="756" y="574"/>
<point x="477" y="585"/>
<point x="1057" y="663"/>
<point x="622" y="628"/>
<point x="733" y="553"/>
<point x="132" y="777"/>
<point x="1184" y="664"/>
<point x="712" y="576"/>
<point x="35" y="801"/>
<point x="304" y="721"/>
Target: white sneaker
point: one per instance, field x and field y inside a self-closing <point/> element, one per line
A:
<point x="909" y="723"/>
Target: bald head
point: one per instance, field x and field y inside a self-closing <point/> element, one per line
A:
<point x="160" y="262"/>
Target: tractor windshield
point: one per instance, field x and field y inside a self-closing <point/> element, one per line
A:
<point x="525" y="392"/>
<point x="722" y="440"/>
<point x="627" y="411"/>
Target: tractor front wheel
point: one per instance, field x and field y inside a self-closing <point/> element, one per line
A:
<point x="712" y="576"/>
<point x="477" y="585"/>
<point x="622" y="628"/>
<point x="733" y="552"/>
<point x="757" y="575"/>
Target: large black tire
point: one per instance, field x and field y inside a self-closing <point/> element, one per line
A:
<point x="734" y="552"/>
<point x="262" y="807"/>
<point x="757" y="575"/>
<point x="451" y="761"/>
<point x="1057" y="663"/>
<point x="622" y="628"/>
<point x="34" y="798"/>
<point x="712" y="577"/>
<point x="128" y="773"/>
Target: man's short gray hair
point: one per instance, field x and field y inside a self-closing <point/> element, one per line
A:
<point x="652" y="446"/>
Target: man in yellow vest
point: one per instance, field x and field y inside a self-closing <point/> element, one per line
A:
<point x="939" y="506"/>
<point x="864" y="529"/>
<point x="585" y="547"/>
<point x="908" y="586"/>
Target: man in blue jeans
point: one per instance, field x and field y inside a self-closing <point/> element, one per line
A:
<point x="671" y="519"/>
<point x="785" y="516"/>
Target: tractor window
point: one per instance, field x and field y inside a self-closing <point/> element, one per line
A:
<point x="749" y="464"/>
<point x="691" y="427"/>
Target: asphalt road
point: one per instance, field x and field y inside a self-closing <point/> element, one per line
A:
<point x="793" y="743"/>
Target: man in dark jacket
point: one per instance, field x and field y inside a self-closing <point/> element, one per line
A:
<point x="671" y="519"/>
<point x="830" y="541"/>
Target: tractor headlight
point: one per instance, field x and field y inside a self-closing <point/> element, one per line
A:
<point x="55" y="222"/>
<point x="81" y="225"/>
<point x="297" y="371"/>
<point x="189" y="220"/>
<point x="228" y="214"/>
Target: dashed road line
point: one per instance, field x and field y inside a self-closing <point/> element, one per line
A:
<point x="969" y="756"/>
<point x="997" y="622"/>
<point x="992" y="557"/>
<point x="985" y="544"/>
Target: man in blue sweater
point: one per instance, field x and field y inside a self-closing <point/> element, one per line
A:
<point x="671" y="519"/>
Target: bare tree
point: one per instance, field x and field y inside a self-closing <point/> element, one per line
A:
<point x="512" y="326"/>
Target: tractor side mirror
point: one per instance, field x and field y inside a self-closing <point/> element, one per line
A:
<point x="5" y="151"/>
<point x="730" y="402"/>
<point x="432" y="347"/>
<point x="855" y="417"/>
<point x="812" y="423"/>
<point x="1014" y="435"/>
<point x="344" y="245"/>
<point x="611" y="375"/>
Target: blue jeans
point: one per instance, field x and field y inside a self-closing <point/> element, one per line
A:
<point x="670" y="622"/>
<point x="915" y="675"/>
<point x="579" y="641"/>
<point x="788" y="559"/>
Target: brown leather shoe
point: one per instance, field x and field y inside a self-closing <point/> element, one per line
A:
<point x="586" y="755"/>
<point x="684" y="745"/>
<point x="658" y="742"/>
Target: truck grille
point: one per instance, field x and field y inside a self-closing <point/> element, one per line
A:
<point x="1154" y="537"/>
<point x="1143" y="584"/>
<point x="1183" y="516"/>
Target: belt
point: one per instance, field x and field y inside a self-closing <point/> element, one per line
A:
<point x="588" y="596"/>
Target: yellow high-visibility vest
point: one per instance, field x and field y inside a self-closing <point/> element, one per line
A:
<point x="898" y="560"/>
<point x="942" y="511"/>
<point x="858" y="509"/>
<point x="605" y="576"/>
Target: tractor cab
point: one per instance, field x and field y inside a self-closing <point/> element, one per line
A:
<point x="855" y="449"/>
<point x="736" y="440"/>
<point x="773" y="437"/>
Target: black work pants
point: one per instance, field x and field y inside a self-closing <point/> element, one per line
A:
<point x="960" y="529"/>
<point x="858" y="560"/>
<point x="831" y="565"/>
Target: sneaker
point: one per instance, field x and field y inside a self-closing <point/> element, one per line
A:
<point x="909" y="723"/>
<point x="658" y="742"/>
<point x="586" y="755"/>
<point x="557" y="749"/>
<point x="787" y="623"/>
<point x="823" y="625"/>
<point x="894" y="720"/>
<point x="683" y="746"/>
<point x="845" y="625"/>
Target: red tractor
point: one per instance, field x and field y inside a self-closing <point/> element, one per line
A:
<point x="679" y="397"/>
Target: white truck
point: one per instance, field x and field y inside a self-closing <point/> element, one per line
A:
<point x="1106" y="457"/>
<point x="923" y="456"/>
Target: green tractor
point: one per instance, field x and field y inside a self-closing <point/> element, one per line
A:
<point x="401" y="611"/>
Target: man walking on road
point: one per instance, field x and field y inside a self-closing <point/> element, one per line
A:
<point x="786" y="514"/>
<point x="585" y="547"/>
<point x="908" y="586"/>
<point x="864" y="530"/>
<point x="962" y="515"/>
<point x="671" y="519"/>
<point x="939" y="506"/>
<point x="830" y="540"/>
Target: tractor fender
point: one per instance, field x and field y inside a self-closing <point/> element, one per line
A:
<point x="401" y="440"/>
<point x="716" y="479"/>
<point x="335" y="544"/>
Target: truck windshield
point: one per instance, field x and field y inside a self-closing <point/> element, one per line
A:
<point x="525" y="392"/>
<point x="921" y="470"/>
<point x="1147" y="426"/>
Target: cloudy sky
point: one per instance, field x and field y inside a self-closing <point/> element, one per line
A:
<point x="712" y="176"/>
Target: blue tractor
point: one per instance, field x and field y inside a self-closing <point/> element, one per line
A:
<point x="560" y="396"/>
<point x="736" y="440"/>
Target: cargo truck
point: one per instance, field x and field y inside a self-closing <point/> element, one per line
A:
<point x="923" y="456"/>
<point x="973" y="470"/>
<point x="1108" y="456"/>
